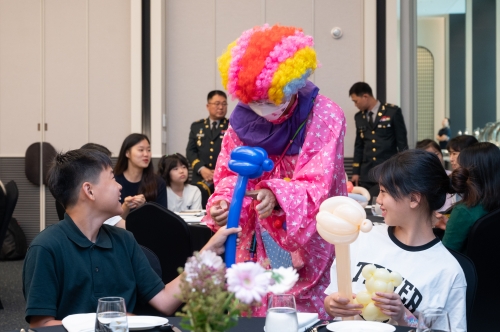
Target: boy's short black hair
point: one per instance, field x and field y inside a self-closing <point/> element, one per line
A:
<point x="71" y="169"/>
<point x="360" y="88"/>
<point x="98" y="147"/>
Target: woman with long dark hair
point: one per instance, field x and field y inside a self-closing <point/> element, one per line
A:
<point x="135" y="172"/>
<point x="477" y="180"/>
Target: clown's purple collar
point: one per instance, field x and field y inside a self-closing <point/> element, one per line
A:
<point x="254" y="130"/>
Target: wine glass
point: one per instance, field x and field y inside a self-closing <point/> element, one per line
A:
<point x="281" y="314"/>
<point x="111" y="315"/>
<point x="376" y="211"/>
<point x="433" y="320"/>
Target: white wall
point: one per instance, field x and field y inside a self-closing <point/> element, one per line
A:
<point x="67" y="64"/>
<point x="197" y="32"/>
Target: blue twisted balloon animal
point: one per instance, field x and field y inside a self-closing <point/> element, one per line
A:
<point x="248" y="163"/>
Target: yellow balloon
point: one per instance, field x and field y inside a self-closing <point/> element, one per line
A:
<point x="363" y="297"/>
<point x="369" y="284"/>
<point x="382" y="275"/>
<point x="396" y="278"/>
<point x="370" y="312"/>
<point x="379" y="286"/>
<point x="368" y="271"/>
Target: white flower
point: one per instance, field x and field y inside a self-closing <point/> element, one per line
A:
<point x="210" y="259"/>
<point x="248" y="281"/>
<point x="190" y="270"/>
<point x="284" y="279"/>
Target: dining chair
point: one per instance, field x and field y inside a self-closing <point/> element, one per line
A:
<point x="482" y="249"/>
<point x="11" y="196"/>
<point x="141" y="307"/>
<point x="471" y="278"/>
<point x="8" y="203"/>
<point x="165" y="233"/>
<point x="153" y="260"/>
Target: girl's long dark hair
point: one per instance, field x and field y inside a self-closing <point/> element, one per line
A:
<point x="415" y="171"/>
<point x="477" y="178"/>
<point x="148" y="186"/>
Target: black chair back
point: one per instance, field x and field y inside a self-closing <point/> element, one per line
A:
<point x="482" y="249"/>
<point x="165" y="233"/>
<point x="471" y="279"/>
<point x="144" y="308"/>
<point x="153" y="260"/>
<point x="9" y="206"/>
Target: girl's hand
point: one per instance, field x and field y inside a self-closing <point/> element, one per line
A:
<point x="129" y="202"/>
<point x="267" y="203"/>
<point x="337" y="306"/>
<point x="391" y="305"/>
<point x="219" y="212"/>
<point x="139" y="200"/>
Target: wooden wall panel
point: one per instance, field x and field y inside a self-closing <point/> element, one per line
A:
<point x="66" y="73"/>
<point x="20" y="75"/>
<point x="109" y="72"/>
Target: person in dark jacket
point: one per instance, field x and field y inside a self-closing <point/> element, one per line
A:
<point x="380" y="134"/>
<point x="205" y="140"/>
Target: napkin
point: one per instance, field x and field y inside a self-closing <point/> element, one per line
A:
<point x="306" y="319"/>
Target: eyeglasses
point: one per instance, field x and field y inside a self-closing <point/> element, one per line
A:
<point x="217" y="104"/>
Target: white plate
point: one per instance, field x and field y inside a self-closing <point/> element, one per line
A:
<point x="137" y="323"/>
<point x="86" y="322"/>
<point x="360" y="326"/>
<point x="79" y="322"/>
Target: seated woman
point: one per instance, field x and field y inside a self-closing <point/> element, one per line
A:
<point x="432" y="147"/>
<point x="413" y="184"/>
<point x="477" y="180"/>
<point x="180" y="194"/>
<point x="136" y="174"/>
<point x="457" y="144"/>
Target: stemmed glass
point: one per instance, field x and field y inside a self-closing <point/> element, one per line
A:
<point x="111" y="315"/>
<point x="281" y="314"/>
<point x="433" y="320"/>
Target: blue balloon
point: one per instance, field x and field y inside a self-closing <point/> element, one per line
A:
<point x="248" y="163"/>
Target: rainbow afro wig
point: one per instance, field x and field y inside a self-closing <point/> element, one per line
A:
<point x="267" y="63"/>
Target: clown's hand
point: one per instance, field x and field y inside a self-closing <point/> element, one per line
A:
<point x="267" y="203"/>
<point x="219" y="212"/>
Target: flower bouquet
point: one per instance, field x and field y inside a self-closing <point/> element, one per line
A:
<point x="212" y="305"/>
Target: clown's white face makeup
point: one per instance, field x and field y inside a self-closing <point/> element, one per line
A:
<point x="268" y="110"/>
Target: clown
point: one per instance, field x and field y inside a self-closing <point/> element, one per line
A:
<point x="267" y="68"/>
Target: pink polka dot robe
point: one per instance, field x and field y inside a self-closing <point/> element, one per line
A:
<point x="316" y="173"/>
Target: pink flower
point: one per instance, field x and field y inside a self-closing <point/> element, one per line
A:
<point x="210" y="259"/>
<point x="248" y="281"/>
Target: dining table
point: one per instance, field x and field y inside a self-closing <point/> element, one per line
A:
<point x="253" y="324"/>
